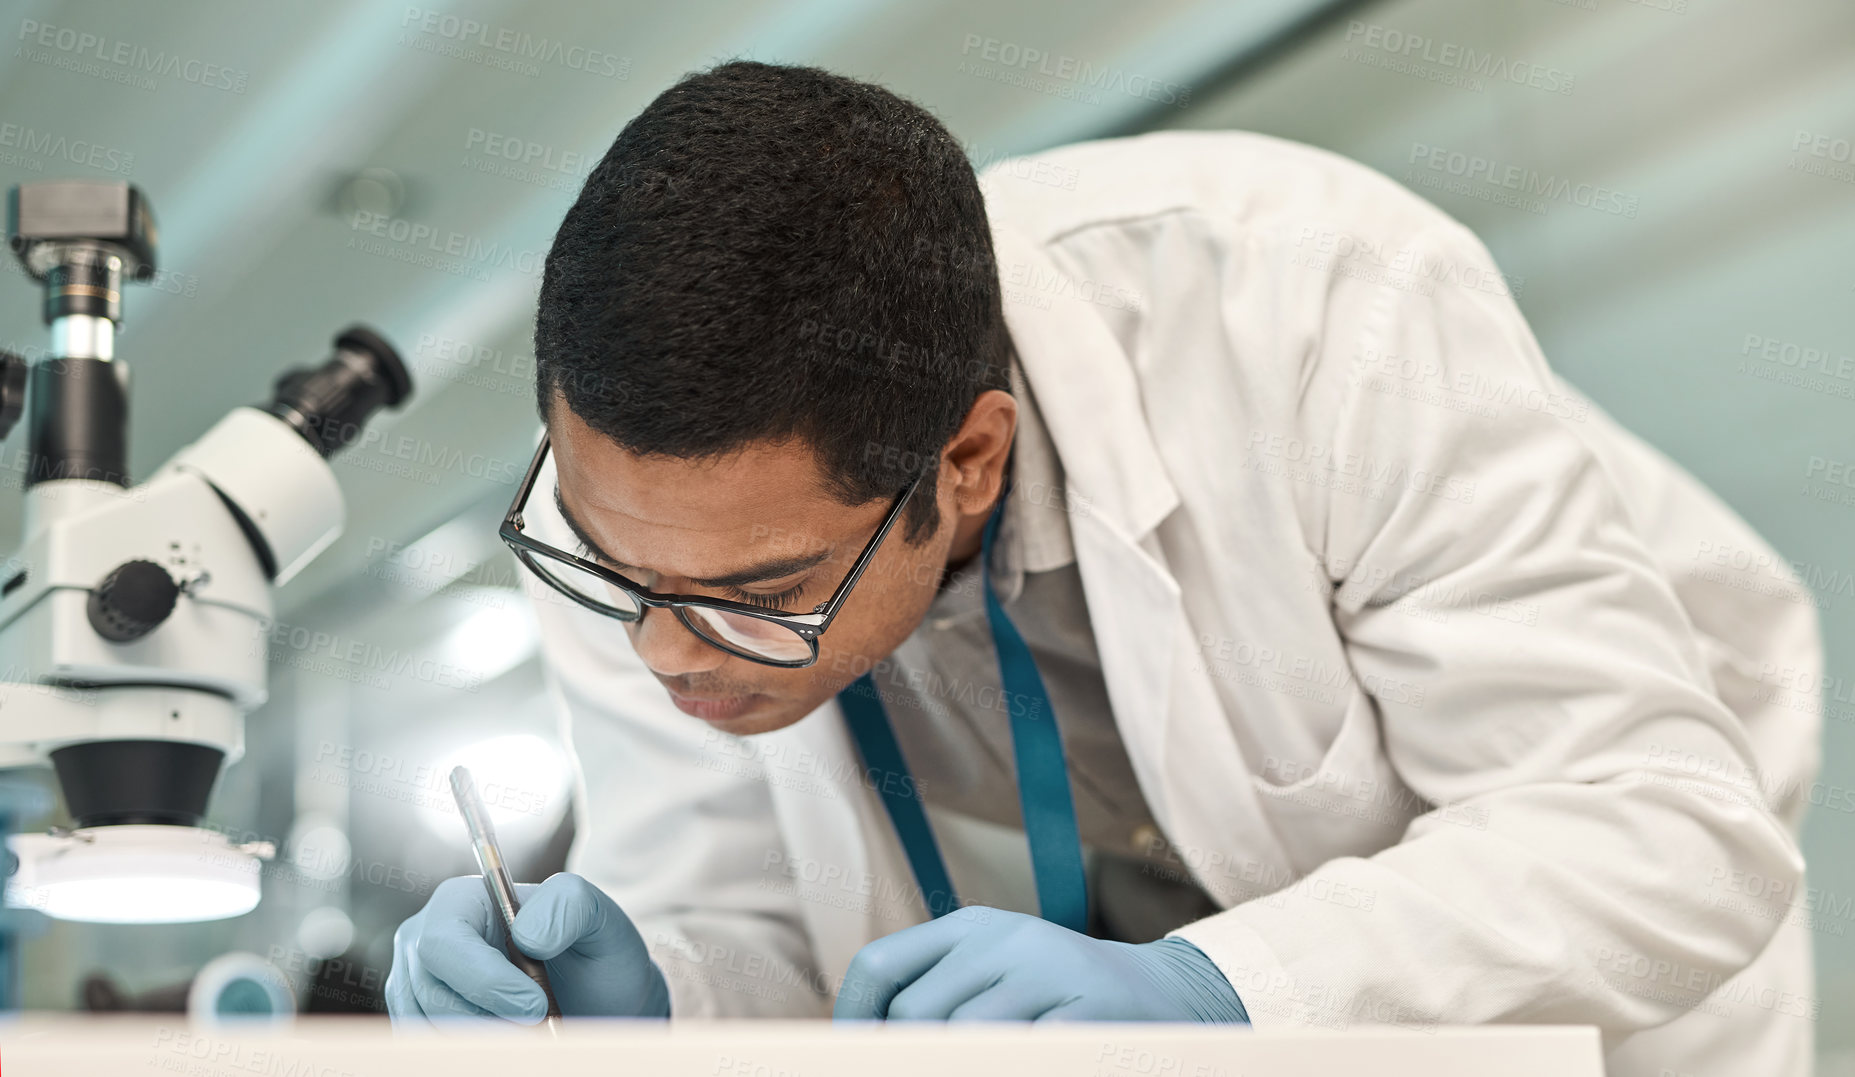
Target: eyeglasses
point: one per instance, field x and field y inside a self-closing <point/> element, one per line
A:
<point x="544" y="539"/>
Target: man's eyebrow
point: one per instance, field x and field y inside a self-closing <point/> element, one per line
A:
<point x="766" y="570"/>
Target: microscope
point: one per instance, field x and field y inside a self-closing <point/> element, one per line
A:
<point x="132" y="617"/>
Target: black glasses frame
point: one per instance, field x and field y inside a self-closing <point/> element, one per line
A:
<point x="807" y="626"/>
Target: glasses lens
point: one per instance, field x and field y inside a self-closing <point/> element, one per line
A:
<point x="583" y="585"/>
<point x="750" y="634"/>
<point x="542" y="521"/>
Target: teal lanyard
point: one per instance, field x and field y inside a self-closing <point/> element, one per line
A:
<point x="1043" y="774"/>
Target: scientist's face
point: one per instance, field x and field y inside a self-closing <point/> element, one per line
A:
<point x="667" y="523"/>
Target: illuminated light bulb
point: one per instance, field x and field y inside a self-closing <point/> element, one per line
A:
<point x="135" y="874"/>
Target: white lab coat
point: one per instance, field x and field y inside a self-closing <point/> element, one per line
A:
<point x="1489" y="777"/>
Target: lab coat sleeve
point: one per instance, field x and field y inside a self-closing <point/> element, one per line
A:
<point x="1757" y="620"/>
<point x="674" y="821"/>
<point x="1590" y="797"/>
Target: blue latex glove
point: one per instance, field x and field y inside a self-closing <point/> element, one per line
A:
<point x="448" y="961"/>
<point x="979" y="963"/>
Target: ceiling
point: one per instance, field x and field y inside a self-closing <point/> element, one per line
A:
<point x="349" y="161"/>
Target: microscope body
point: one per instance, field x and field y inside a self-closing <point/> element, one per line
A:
<point x="134" y="618"/>
<point x="194" y="673"/>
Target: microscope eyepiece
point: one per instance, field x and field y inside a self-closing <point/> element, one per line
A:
<point x="330" y="404"/>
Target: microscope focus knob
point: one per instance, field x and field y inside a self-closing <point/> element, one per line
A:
<point x="132" y="601"/>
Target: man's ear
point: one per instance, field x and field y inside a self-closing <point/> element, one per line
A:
<point x="977" y="452"/>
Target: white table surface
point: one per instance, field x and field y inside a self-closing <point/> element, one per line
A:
<point x="83" y="1046"/>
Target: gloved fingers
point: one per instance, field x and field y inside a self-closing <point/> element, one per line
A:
<point x="454" y="947"/>
<point x="884" y="967"/>
<point x="1016" y="997"/>
<point x="953" y="980"/>
<point x="462" y="898"/>
<point x="437" y="1002"/>
<point x="401" y="1006"/>
<point x="1075" y="1008"/>
<point x="568" y="912"/>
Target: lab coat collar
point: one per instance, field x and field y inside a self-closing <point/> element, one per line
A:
<point x="1178" y="740"/>
<point x="1086" y="393"/>
<point x="1117" y="493"/>
<point x="1033" y="532"/>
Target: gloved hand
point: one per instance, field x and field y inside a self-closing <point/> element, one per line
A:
<point x="978" y="963"/>
<point x="448" y="960"/>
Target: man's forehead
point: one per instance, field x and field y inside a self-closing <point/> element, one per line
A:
<point x="695" y="519"/>
<point x="737" y="490"/>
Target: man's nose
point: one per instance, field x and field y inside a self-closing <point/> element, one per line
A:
<point x="669" y="648"/>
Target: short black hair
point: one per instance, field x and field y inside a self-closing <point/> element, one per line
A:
<point x="774" y="253"/>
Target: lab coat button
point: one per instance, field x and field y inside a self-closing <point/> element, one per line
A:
<point x="1146" y="839"/>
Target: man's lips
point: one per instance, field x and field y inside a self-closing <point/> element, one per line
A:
<point x="712" y="708"/>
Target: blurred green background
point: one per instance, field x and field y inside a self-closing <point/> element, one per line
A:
<point x="1693" y="273"/>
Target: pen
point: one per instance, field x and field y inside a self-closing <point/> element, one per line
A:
<point x="496" y="881"/>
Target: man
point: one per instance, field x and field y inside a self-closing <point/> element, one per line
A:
<point x="1384" y="688"/>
